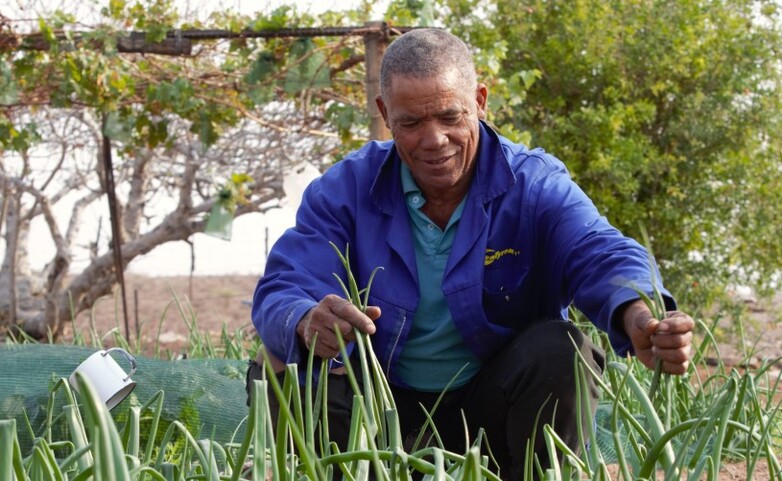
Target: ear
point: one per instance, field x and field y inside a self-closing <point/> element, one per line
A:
<point x="481" y="94"/>
<point x="381" y="106"/>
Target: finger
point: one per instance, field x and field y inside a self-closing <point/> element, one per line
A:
<point x="647" y="358"/>
<point x="345" y="330"/>
<point x="329" y="340"/>
<point x="675" y="367"/>
<point x="373" y="312"/>
<point x="671" y="341"/>
<point x="650" y="327"/>
<point x="322" y="346"/>
<point x="346" y="311"/>
<point x="642" y="335"/>
<point x="325" y="315"/>
<point x="677" y="355"/>
<point x="675" y="361"/>
<point x="677" y="323"/>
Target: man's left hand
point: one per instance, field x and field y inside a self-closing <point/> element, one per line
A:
<point x="668" y="339"/>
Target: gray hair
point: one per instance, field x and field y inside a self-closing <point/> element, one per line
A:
<point x="425" y="53"/>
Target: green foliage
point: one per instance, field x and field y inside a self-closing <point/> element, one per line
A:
<point x="709" y="415"/>
<point x="189" y="415"/>
<point x="16" y="138"/>
<point x="211" y="91"/>
<point x="8" y="93"/>
<point x="154" y="17"/>
<point x="309" y="70"/>
<point x="666" y="113"/>
<point x="263" y="67"/>
<point x="345" y="118"/>
<point x="234" y="192"/>
<point x="279" y="18"/>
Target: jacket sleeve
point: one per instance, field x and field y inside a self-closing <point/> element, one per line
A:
<point x="590" y="261"/>
<point x="301" y="266"/>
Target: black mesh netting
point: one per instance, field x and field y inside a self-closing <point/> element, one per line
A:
<point x="207" y="395"/>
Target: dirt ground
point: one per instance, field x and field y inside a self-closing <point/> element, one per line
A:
<point x="166" y="309"/>
<point x="214" y="301"/>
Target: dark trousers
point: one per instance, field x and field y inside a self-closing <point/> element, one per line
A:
<point x="529" y="383"/>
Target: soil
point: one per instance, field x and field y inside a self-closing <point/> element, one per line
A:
<point x="166" y="310"/>
<point x="210" y="303"/>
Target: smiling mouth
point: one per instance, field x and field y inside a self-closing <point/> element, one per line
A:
<point x="440" y="160"/>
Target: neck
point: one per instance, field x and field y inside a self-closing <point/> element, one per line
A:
<point x="440" y="205"/>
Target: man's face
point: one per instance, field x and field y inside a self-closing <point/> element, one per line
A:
<point x="434" y="122"/>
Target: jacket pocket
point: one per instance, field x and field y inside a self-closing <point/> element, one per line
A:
<point x="504" y="294"/>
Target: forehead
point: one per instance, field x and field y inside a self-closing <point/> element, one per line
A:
<point x="442" y="92"/>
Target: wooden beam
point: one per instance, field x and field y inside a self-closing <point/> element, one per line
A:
<point x="179" y="42"/>
<point x="135" y="42"/>
<point x="375" y="47"/>
<point x="116" y="232"/>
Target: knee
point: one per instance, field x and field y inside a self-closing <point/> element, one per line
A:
<point x="254" y="372"/>
<point x="553" y="345"/>
<point x="552" y="352"/>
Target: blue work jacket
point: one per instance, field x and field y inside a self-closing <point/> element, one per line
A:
<point x="529" y="244"/>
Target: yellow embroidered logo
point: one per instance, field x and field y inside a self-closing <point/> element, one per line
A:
<point x="492" y="255"/>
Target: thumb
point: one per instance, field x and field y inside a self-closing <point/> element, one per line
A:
<point x="651" y="326"/>
<point x="372" y="312"/>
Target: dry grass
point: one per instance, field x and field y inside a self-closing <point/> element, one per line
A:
<point x="214" y="300"/>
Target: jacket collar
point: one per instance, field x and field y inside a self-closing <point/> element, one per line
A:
<point x="493" y="175"/>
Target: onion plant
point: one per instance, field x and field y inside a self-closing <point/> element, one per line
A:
<point x="687" y="430"/>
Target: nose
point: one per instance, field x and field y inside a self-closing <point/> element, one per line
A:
<point x="434" y="136"/>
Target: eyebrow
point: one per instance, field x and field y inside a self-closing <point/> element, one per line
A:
<point x="444" y="113"/>
<point x="450" y="112"/>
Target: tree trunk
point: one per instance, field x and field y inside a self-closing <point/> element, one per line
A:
<point x="20" y="288"/>
<point x="183" y="171"/>
<point x="98" y="279"/>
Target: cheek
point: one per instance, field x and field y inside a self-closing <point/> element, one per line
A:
<point x="465" y="139"/>
<point x="405" y="141"/>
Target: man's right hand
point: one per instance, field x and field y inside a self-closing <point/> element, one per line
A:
<point x="332" y="313"/>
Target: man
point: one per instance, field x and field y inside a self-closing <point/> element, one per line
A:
<point x="484" y="245"/>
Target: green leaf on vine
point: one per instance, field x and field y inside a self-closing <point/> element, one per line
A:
<point x="8" y="92"/>
<point x="263" y="67"/>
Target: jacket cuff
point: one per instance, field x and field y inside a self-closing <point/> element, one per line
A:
<point x="292" y="350"/>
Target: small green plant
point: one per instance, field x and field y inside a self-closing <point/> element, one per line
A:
<point x="656" y="305"/>
<point x="701" y="421"/>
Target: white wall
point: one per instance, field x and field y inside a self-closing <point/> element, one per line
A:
<point x="243" y="254"/>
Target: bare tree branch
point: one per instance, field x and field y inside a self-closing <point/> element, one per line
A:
<point x="139" y="179"/>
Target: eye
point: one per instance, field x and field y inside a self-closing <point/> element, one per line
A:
<point x="451" y="119"/>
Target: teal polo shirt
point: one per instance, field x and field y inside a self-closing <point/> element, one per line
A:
<point x="434" y="351"/>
